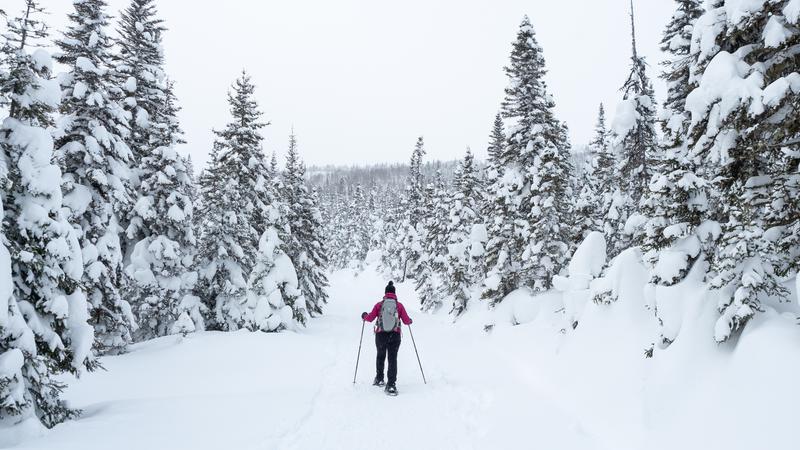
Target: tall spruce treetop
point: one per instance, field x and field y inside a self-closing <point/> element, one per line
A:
<point x="304" y="242"/>
<point x="677" y="42"/>
<point x="236" y="209"/>
<point x="416" y="181"/>
<point x="497" y="138"/>
<point x="634" y="143"/>
<point x="638" y="143"/>
<point x="139" y="63"/>
<point x="528" y="238"/>
<point x="241" y="144"/>
<point x="602" y="164"/>
<point x="95" y="161"/>
<point x="144" y="93"/>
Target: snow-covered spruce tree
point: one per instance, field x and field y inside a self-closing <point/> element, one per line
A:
<point x="411" y="228"/>
<point x="603" y="167"/>
<point x="160" y="268"/>
<point x="43" y="311"/>
<point x="497" y="140"/>
<point x="590" y="187"/>
<point x="748" y="138"/>
<point x="304" y="243"/>
<point x="275" y="301"/>
<point x="335" y="226"/>
<point x="465" y="237"/>
<point x="191" y="310"/>
<point x="675" y="203"/>
<point x="431" y="267"/>
<point x="376" y="202"/>
<point x="633" y="141"/>
<point x="357" y="229"/>
<point x="236" y="208"/>
<point x="142" y="90"/>
<point x="529" y="233"/>
<point x="315" y="281"/>
<point x="491" y="174"/>
<point x="391" y="239"/>
<point x="593" y="184"/>
<point x="95" y="161"/>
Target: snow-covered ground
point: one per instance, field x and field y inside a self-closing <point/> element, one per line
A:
<point x="527" y="386"/>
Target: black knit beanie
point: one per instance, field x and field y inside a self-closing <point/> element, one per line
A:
<point x="389" y="288"/>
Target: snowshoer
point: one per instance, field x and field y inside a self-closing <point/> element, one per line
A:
<point x="389" y="313"/>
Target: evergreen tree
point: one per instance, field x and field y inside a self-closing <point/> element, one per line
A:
<point x="95" y="161"/>
<point x="593" y="185"/>
<point x="142" y="91"/>
<point x="409" y="250"/>
<point x="314" y="283"/>
<point x="497" y="139"/>
<point x="336" y="227"/>
<point x="431" y="266"/>
<point x="275" y="301"/>
<point x="161" y="262"/>
<point x="304" y="244"/>
<point x="357" y="229"/>
<point x="43" y="311"/>
<point x="633" y="140"/>
<point x="528" y="238"/>
<point x="464" y="237"/>
<point x="677" y="43"/>
<point x="236" y="210"/>
<point x="492" y="173"/>
<point x="139" y="64"/>
<point x="391" y="240"/>
<point x="676" y="202"/>
<point x="747" y="142"/>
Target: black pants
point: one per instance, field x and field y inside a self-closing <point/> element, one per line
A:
<point x="387" y="342"/>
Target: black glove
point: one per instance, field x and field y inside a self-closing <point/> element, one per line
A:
<point x="410" y="321"/>
<point x="363" y="316"/>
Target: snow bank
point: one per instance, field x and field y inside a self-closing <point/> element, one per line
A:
<point x="638" y="363"/>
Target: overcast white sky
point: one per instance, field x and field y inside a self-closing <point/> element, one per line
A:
<point x="361" y="79"/>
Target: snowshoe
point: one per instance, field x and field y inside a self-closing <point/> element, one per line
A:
<point x="391" y="390"/>
<point x="378" y="382"/>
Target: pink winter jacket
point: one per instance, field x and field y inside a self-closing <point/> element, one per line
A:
<point x="401" y="311"/>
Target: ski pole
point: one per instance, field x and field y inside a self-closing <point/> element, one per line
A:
<point x="415" y="351"/>
<point x="359" y="349"/>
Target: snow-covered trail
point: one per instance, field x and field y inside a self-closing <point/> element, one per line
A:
<point x="294" y="390"/>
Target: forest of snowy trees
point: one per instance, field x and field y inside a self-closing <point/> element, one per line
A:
<point x="110" y="238"/>
<point x="712" y="178"/>
<point x="107" y="237"/>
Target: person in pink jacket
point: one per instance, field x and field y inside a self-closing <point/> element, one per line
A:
<point x="389" y="313"/>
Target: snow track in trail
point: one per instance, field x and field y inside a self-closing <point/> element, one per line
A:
<point x="294" y="391"/>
